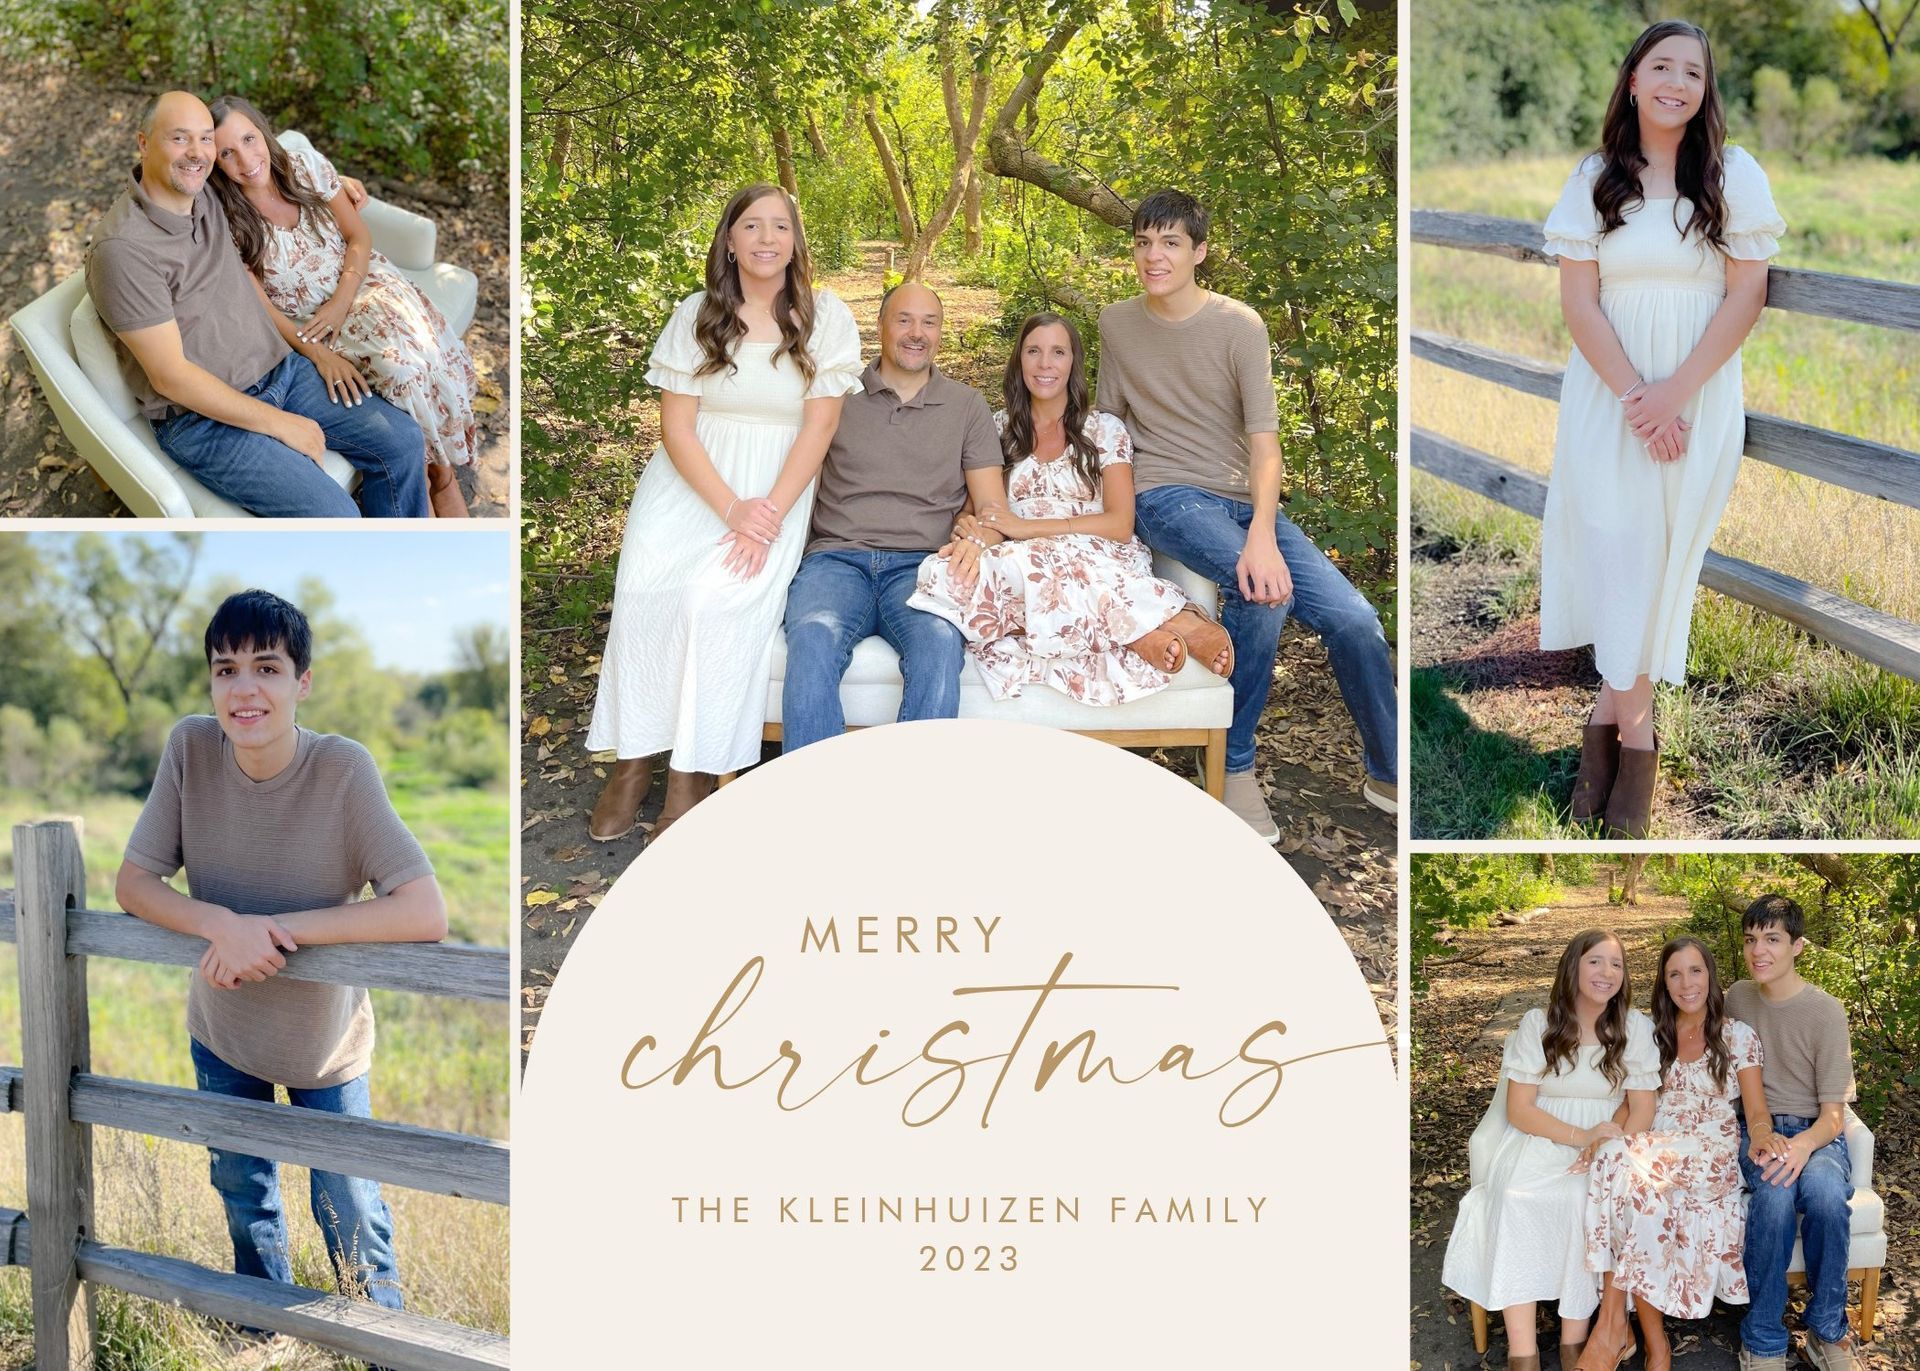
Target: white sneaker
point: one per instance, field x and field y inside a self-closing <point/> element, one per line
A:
<point x="1243" y="797"/>
<point x="1381" y="795"/>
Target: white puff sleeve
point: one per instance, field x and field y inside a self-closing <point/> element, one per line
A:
<point x="677" y="356"/>
<point x="1524" y="1059"/>
<point x="1111" y="437"/>
<point x="835" y="345"/>
<point x="1754" y="225"/>
<point x="1573" y="228"/>
<point x="318" y="172"/>
<point x="1642" y="1058"/>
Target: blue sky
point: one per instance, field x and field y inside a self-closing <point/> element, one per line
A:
<point x="409" y="592"/>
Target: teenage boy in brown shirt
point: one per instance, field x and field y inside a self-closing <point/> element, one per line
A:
<point x="279" y="829"/>
<point x="1799" y="1176"/>
<point x="1191" y="373"/>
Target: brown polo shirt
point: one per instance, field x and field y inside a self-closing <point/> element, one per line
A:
<point x="1190" y="392"/>
<point x="894" y="477"/>
<point x="148" y="265"/>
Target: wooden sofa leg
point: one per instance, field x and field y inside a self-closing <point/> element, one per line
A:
<point x="1216" y="763"/>
<point x="1869" y="1297"/>
<point x="1479" y="1328"/>
<point x="723" y="778"/>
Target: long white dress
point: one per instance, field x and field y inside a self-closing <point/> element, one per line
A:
<point x="1520" y="1234"/>
<point x="691" y="644"/>
<point x="1624" y="535"/>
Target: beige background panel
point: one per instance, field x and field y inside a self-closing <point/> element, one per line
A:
<point x="1076" y="847"/>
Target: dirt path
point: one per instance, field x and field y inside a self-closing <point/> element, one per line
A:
<point x="1476" y="994"/>
<point x="1309" y="754"/>
<point x="65" y="147"/>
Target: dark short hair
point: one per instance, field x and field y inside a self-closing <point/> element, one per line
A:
<point x="1173" y="209"/>
<point x="260" y="620"/>
<point x="1771" y="910"/>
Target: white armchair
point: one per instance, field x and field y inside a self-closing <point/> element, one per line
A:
<point x="1193" y="712"/>
<point x="1866" y="1252"/>
<point x="72" y="353"/>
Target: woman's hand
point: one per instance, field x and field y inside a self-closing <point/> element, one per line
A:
<point x="1762" y="1146"/>
<point x="1652" y="407"/>
<point x="1604" y="1131"/>
<point x="746" y="557"/>
<point x="963" y="560"/>
<point x="328" y="320"/>
<point x="345" y="385"/>
<point x="356" y="191"/>
<point x="1005" y="522"/>
<point x="1786" y="1160"/>
<point x="757" y="518"/>
<point x="1669" y="444"/>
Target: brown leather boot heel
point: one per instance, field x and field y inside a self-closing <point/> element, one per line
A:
<point x="1599" y="762"/>
<point x="618" y="808"/>
<point x="1630" y="807"/>
<point x="685" y="789"/>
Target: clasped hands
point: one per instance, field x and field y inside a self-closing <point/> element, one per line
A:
<point x="962" y="550"/>
<point x="1779" y="1160"/>
<point x="1653" y="413"/>
<point x="752" y="526"/>
<point x="246" y="947"/>
<point x="1604" y="1131"/>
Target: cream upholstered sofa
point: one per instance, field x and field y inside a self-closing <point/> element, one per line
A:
<point x="73" y="355"/>
<point x="1866" y="1251"/>
<point x="1192" y="712"/>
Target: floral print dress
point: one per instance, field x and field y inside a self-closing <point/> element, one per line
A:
<point x="393" y="334"/>
<point x="1059" y="611"/>
<point x="1664" y="1210"/>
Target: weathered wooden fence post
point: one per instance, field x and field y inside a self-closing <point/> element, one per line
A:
<point x="50" y="879"/>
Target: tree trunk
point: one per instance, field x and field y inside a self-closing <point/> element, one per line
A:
<point x="783" y="157"/>
<point x="1009" y="155"/>
<point x="965" y="129"/>
<point x="562" y="140"/>
<point x="971" y="209"/>
<point x="896" y="188"/>
<point x="816" y="139"/>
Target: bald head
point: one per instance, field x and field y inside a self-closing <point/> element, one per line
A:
<point x="910" y="316"/>
<point x="176" y="149"/>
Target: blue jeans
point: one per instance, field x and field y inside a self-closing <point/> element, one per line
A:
<point x="266" y="477"/>
<point x="1815" y="1206"/>
<point x="840" y="596"/>
<point x="1208" y="532"/>
<point x="353" y="1219"/>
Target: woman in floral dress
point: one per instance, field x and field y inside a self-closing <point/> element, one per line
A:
<point x="1054" y="589"/>
<point x="310" y="250"/>
<point x="1664" y="1219"/>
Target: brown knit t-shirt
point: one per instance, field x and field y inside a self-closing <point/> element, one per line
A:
<point x="1809" y="1055"/>
<point x="312" y="837"/>
<point x="1190" y="392"/>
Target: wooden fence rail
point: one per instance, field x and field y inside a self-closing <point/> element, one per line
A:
<point x="62" y="1100"/>
<point x="1858" y="464"/>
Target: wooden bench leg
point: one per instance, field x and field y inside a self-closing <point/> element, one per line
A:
<point x="1216" y="763"/>
<point x="1479" y="1328"/>
<point x="1869" y="1297"/>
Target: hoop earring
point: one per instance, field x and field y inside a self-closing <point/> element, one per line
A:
<point x="1632" y="99"/>
<point x="729" y="254"/>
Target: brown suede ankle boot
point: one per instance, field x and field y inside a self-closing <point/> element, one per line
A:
<point x="1570" y="1354"/>
<point x="1630" y="807"/>
<point x="1530" y="1362"/>
<point x="1599" y="761"/>
<point x="443" y="492"/>
<point x="618" y="808"/>
<point x="685" y="789"/>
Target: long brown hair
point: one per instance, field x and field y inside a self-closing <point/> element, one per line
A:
<point x="249" y="230"/>
<point x="1016" y="437"/>
<point x="1562" y="1038"/>
<point x="1699" y="170"/>
<point x="1666" y="1014"/>
<point x="719" y="328"/>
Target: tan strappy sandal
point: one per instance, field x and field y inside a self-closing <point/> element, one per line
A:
<point x="1205" y="643"/>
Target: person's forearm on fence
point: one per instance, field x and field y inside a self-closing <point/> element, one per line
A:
<point x="1592" y="333"/>
<point x="412" y="912"/>
<point x="1656" y="404"/>
<point x="250" y="947"/>
<point x="1261" y="570"/>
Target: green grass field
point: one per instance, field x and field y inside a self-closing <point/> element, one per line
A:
<point x="1774" y="734"/>
<point x="440" y="1063"/>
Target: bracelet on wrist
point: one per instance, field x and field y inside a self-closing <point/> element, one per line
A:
<point x="1632" y="390"/>
<point x="729" y="514"/>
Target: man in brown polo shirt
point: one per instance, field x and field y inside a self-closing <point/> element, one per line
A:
<point x="893" y="483"/>
<point x="229" y="402"/>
